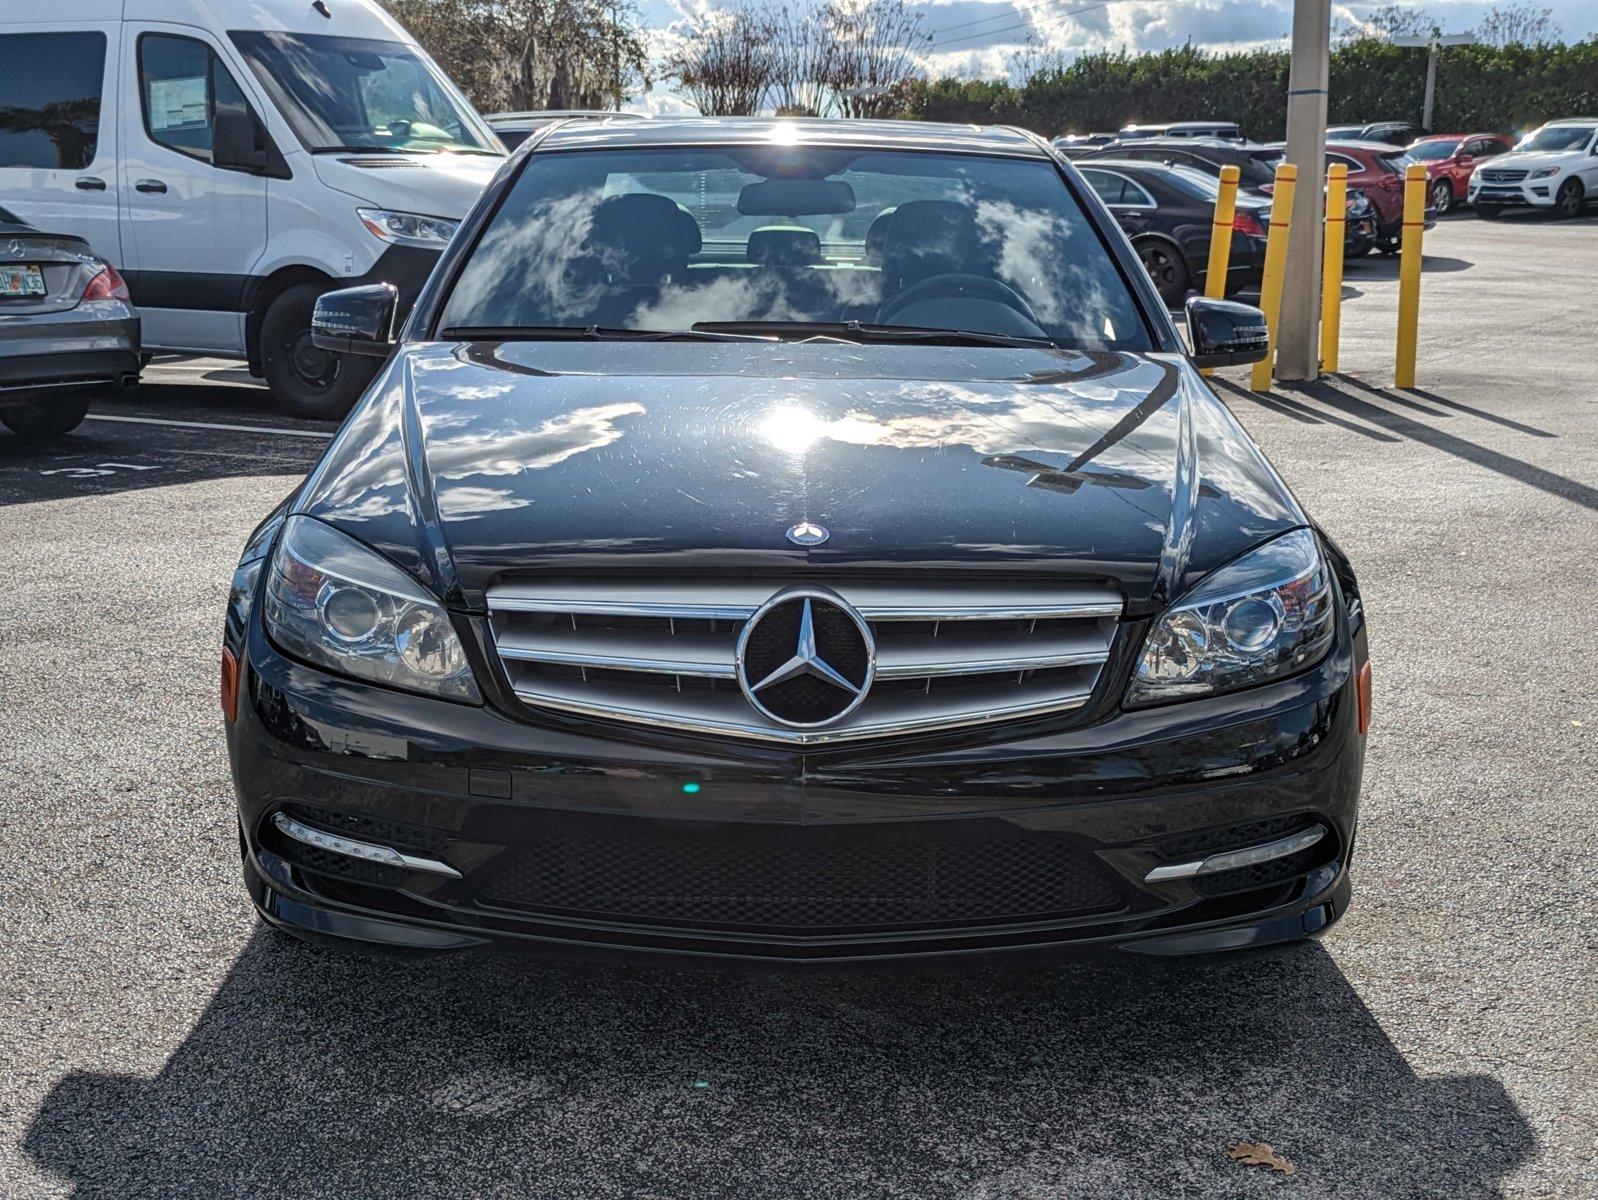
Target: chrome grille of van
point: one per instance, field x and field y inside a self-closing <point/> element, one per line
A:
<point x="664" y="652"/>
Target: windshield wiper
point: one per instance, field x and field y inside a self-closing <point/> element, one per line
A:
<point x="861" y="331"/>
<point x="606" y="333"/>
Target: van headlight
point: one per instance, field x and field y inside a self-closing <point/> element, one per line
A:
<point x="408" y="229"/>
<point x="1266" y="615"/>
<point x="331" y="601"/>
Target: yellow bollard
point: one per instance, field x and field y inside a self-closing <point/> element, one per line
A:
<point x="1275" y="267"/>
<point x="1221" y="234"/>
<point x="1332" y="264"/>
<point x="1221" y="237"/>
<point x="1409" y="274"/>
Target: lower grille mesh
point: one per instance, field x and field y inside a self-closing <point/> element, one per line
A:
<point x="802" y="882"/>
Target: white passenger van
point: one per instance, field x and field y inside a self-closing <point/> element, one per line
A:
<point x="236" y="158"/>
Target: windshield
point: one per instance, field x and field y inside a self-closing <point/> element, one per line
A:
<point x="1557" y="137"/>
<point x="1394" y="164"/>
<point x="342" y="93"/>
<point x="768" y="235"/>
<point x="1432" y="151"/>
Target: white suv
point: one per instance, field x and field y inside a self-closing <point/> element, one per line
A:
<point x="1555" y="167"/>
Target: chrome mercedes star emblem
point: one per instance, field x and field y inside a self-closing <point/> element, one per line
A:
<point x="17" y="248"/>
<point x="807" y="533"/>
<point x="799" y="636"/>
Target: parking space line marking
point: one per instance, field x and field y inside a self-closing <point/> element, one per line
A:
<point x="307" y="433"/>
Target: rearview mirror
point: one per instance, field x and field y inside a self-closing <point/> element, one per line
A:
<point x="796" y="198"/>
<point x="1225" y="333"/>
<point x="357" y="320"/>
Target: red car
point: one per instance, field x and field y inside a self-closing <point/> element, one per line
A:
<point x="1450" y="158"/>
<point x="1377" y="169"/>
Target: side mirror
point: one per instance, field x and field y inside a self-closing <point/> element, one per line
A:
<point x="239" y="142"/>
<point x="1225" y="333"/>
<point x="357" y="320"/>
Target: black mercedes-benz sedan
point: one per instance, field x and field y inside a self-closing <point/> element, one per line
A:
<point x="796" y="542"/>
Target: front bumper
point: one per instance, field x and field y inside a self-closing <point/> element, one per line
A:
<point x="1534" y="193"/>
<point x="579" y="838"/>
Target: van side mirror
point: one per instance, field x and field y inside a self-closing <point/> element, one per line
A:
<point x="357" y="320"/>
<point x="239" y="142"/>
<point x="1225" y="333"/>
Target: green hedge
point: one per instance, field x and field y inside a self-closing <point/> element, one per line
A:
<point x="1478" y="87"/>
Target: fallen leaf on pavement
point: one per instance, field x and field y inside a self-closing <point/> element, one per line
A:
<point x="1260" y="1154"/>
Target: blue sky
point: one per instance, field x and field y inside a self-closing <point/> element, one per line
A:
<point x="978" y="37"/>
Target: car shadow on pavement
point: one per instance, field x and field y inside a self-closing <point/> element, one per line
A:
<point x="1383" y="266"/>
<point x="317" y="1073"/>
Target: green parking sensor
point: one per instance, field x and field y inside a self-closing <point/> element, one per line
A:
<point x="690" y="789"/>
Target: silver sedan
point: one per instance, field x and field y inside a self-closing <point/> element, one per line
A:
<point x="68" y="331"/>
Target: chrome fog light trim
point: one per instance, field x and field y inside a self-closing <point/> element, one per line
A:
<point x="367" y="851"/>
<point x="1231" y="860"/>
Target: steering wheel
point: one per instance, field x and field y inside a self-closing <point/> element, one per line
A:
<point x="952" y="285"/>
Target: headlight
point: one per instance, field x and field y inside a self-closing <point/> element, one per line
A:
<point x="408" y="229"/>
<point x="1543" y="172"/>
<point x="1266" y="615"/>
<point x="333" y="602"/>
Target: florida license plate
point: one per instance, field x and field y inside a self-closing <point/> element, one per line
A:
<point x="21" y="279"/>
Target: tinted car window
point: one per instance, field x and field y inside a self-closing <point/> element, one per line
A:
<point x="663" y="239"/>
<point x="50" y="99"/>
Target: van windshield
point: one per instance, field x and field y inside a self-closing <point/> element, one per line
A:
<point x="358" y="94"/>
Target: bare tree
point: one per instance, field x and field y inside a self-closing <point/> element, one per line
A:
<point x="1386" y="23"/>
<point x="877" y="46"/>
<point x="723" y="61"/>
<point x="1518" y="24"/>
<point x="533" y="53"/>
<point x="801" y="58"/>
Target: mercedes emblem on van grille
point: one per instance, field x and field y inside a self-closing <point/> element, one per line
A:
<point x="805" y="659"/>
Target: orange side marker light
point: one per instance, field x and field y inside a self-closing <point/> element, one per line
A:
<point x="1363" y="682"/>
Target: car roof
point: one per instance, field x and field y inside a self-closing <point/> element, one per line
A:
<point x="1359" y="144"/>
<point x="1573" y="121"/>
<point x="799" y="131"/>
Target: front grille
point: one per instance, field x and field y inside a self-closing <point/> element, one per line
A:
<point x="802" y="879"/>
<point x="664" y="653"/>
<point x="1503" y="176"/>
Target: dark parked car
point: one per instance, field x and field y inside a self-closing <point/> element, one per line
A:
<point x="1167" y="211"/>
<point x="1450" y="158"/>
<point x="68" y="332"/>
<point x="696" y="580"/>
<point x="1256" y="165"/>
<point x="1389" y="133"/>
<point x="514" y="128"/>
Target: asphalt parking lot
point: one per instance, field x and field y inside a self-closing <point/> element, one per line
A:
<point x="1442" y="1041"/>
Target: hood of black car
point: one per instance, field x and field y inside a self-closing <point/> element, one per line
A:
<point x="473" y="461"/>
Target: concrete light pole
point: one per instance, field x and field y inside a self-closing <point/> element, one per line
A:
<point x="1298" y="340"/>
<point x="1447" y="39"/>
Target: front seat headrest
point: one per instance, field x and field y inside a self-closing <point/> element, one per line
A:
<point x="933" y="237"/>
<point x="639" y="238"/>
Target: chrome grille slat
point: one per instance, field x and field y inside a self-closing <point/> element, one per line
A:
<point x="663" y="652"/>
<point x="700" y="656"/>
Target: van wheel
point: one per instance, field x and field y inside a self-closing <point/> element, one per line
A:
<point x="306" y="380"/>
<point x="47" y="418"/>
